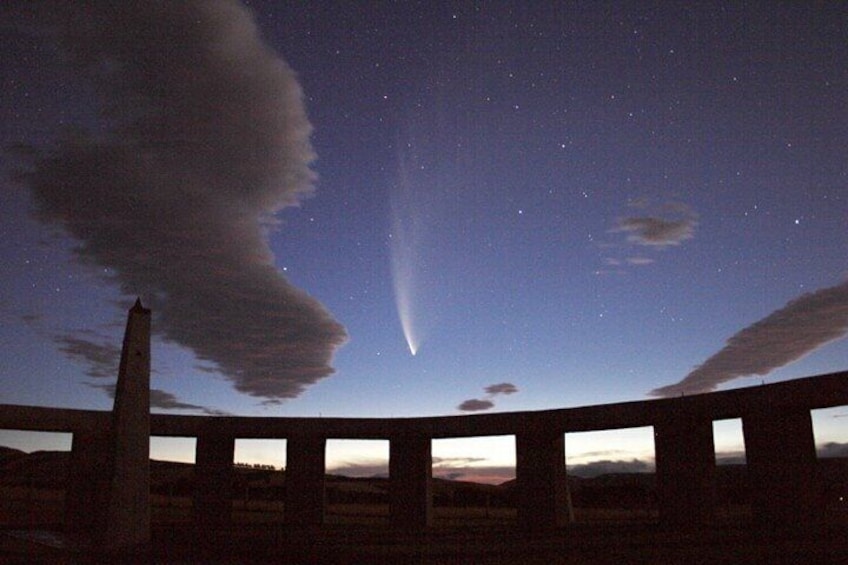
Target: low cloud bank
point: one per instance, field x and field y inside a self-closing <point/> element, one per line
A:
<point x="360" y="469"/>
<point x="787" y="334"/>
<point x="606" y="467"/>
<point x="203" y="139"/>
<point x="471" y="469"/>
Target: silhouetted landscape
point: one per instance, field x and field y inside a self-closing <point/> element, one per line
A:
<point x="46" y="470"/>
<point x="616" y="511"/>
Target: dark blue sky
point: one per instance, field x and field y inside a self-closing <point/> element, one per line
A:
<point x="571" y="204"/>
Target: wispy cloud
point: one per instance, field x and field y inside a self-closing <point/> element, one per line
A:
<point x="206" y="139"/>
<point x="453" y="462"/>
<point x="652" y="229"/>
<point x="673" y="224"/>
<point x="101" y="358"/>
<point x="32" y="319"/>
<point x="639" y="261"/>
<point x="471" y="469"/>
<point x="376" y="468"/>
<point x="610" y="454"/>
<point x="657" y="231"/>
<point x="501" y="388"/>
<point x="167" y="401"/>
<point x="454" y="468"/>
<point x="479" y="404"/>
<point x="486" y="474"/>
<point x="164" y="400"/>
<point x="802" y="326"/>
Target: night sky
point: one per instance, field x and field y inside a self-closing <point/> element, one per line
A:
<point x="409" y="209"/>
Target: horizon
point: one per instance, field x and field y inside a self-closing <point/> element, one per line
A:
<point x="582" y="471"/>
<point x="470" y="458"/>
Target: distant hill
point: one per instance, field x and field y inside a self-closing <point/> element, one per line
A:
<point x="9" y="453"/>
<point x="45" y="469"/>
<point x="49" y="469"/>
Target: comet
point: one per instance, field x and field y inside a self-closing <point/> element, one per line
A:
<point x="406" y="249"/>
<point x="403" y="287"/>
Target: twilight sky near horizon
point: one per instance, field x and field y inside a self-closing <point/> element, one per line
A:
<point x="422" y="208"/>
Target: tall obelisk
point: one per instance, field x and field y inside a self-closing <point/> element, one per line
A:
<point x="128" y="507"/>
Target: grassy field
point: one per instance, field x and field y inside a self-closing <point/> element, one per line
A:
<point x="31" y="507"/>
<point x="363" y="533"/>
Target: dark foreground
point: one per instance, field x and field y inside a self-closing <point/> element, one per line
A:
<point x="480" y="545"/>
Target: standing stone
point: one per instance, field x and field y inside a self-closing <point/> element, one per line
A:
<point x="212" y="502"/>
<point x="540" y="478"/>
<point x="410" y="477"/>
<point x="685" y="458"/>
<point x="305" y="469"/>
<point x="781" y="452"/>
<point x="128" y="511"/>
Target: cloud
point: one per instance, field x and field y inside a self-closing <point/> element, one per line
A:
<point x="452" y="468"/>
<point x="802" y="326"/>
<point x="360" y="469"/>
<point x="493" y="475"/>
<point x="674" y="224"/>
<point x="453" y="462"/>
<point x="612" y="454"/>
<point x="164" y="400"/>
<point x="204" y="139"/>
<point x="167" y="401"/>
<point x="478" y="404"/>
<point x="475" y="405"/>
<point x="653" y="228"/>
<point x="470" y="469"/>
<point x="32" y="319"/>
<point x="501" y="388"/>
<point x="102" y="358"/>
<point x="637" y="261"/>
<point x="656" y="231"/>
<point x="731" y="457"/>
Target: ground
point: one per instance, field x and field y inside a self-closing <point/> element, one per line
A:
<point x="577" y="544"/>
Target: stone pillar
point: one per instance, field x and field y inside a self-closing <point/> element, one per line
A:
<point x="410" y="472"/>
<point x="89" y="482"/>
<point x="541" y="483"/>
<point x="304" y="480"/>
<point x="781" y="454"/>
<point x="108" y="501"/>
<point x="128" y="514"/>
<point x="685" y="457"/>
<point x="212" y="504"/>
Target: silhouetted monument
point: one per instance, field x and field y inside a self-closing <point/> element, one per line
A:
<point x="108" y="495"/>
